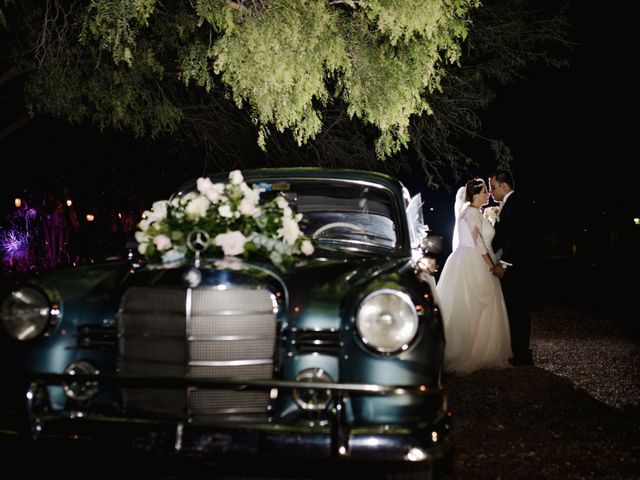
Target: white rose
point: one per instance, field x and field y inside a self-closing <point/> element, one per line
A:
<point x="232" y="243"/>
<point x="149" y="216"/>
<point x="197" y="208"/>
<point x="236" y="177"/>
<point x="289" y="231"/>
<point x="160" y="209"/>
<point x="141" y="237"/>
<point x="209" y="189"/>
<point x="203" y="184"/>
<point x="142" y="247"/>
<point x="492" y="214"/>
<point x="282" y="202"/>
<point x="247" y="206"/>
<point x="250" y="193"/>
<point x="225" y="211"/>
<point x="158" y="212"/>
<point x="144" y="224"/>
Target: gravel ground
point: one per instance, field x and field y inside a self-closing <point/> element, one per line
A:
<point x="575" y="414"/>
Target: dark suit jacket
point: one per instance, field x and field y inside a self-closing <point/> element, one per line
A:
<point x="512" y="233"/>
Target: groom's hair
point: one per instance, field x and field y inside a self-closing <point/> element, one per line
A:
<point x="504" y="176"/>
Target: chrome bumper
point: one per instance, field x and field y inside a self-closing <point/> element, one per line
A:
<point x="333" y="437"/>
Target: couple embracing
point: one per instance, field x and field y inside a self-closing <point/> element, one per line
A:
<point x="482" y="287"/>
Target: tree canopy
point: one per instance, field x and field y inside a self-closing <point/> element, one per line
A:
<point x="330" y="78"/>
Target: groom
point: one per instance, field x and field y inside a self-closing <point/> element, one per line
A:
<point x="512" y="246"/>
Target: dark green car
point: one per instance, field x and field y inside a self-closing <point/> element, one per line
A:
<point x="335" y="355"/>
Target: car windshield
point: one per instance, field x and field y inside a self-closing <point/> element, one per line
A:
<point x="344" y="212"/>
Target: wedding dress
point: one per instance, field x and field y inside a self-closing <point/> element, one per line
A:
<point x="475" y="318"/>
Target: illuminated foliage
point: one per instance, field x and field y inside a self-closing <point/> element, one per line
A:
<point x="284" y="59"/>
<point x="335" y="82"/>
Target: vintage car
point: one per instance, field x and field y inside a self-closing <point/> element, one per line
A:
<point x="336" y="355"/>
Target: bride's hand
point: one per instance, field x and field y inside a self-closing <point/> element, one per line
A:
<point x="498" y="271"/>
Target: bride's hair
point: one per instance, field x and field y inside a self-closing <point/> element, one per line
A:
<point x="472" y="187"/>
<point x="464" y="196"/>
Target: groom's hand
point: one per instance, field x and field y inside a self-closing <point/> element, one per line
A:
<point x="499" y="270"/>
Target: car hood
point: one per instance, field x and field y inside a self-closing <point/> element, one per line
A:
<point x="312" y="291"/>
<point x="81" y="281"/>
<point x="86" y="293"/>
<point x="315" y="293"/>
<point x="326" y="291"/>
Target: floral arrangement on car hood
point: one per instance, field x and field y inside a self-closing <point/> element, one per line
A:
<point x="221" y="219"/>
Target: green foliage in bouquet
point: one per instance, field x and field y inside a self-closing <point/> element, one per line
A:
<point x="230" y="221"/>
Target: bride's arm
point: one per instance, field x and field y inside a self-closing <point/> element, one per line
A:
<point x="489" y="261"/>
<point x="475" y="224"/>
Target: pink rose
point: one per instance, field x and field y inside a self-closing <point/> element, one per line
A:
<point x="162" y="242"/>
<point x="307" y="248"/>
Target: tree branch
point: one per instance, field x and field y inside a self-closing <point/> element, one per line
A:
<point x="16" y="71"/>
<point x="13" y="126"/>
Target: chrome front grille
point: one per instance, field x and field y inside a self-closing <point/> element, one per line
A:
<point x="206" y="332"/>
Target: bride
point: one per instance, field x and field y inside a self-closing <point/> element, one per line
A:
<point x="475" y="317"/>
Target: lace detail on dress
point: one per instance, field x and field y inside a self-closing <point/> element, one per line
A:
<point x="471" y="230"/>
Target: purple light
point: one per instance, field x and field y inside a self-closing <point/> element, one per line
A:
<point x="14" y="245"/>
<point x="30" y="213"/>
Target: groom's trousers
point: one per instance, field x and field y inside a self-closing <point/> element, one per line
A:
<point x="516" y="291"/>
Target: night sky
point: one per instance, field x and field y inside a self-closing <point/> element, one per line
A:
<point x="572" y="147"/>
<point x="570" y="132"/>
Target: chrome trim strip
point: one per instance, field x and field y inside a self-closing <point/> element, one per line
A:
<point x="174" y="382"/>
<point x="187" y="351"/>
<point x="231" y="411"/>
<point x="159" y="336"/>
<point x="131" y="359"/>
<point x="229" y="363"/>
<point x="179" y="435"/>
<point x="153" y="336"/>
<point x="239" y="312"/>
<point x="225" y="338"/>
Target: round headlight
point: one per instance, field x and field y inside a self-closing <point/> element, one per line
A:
<point x="26" y="313"/>
<point x="387" y="321"/>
